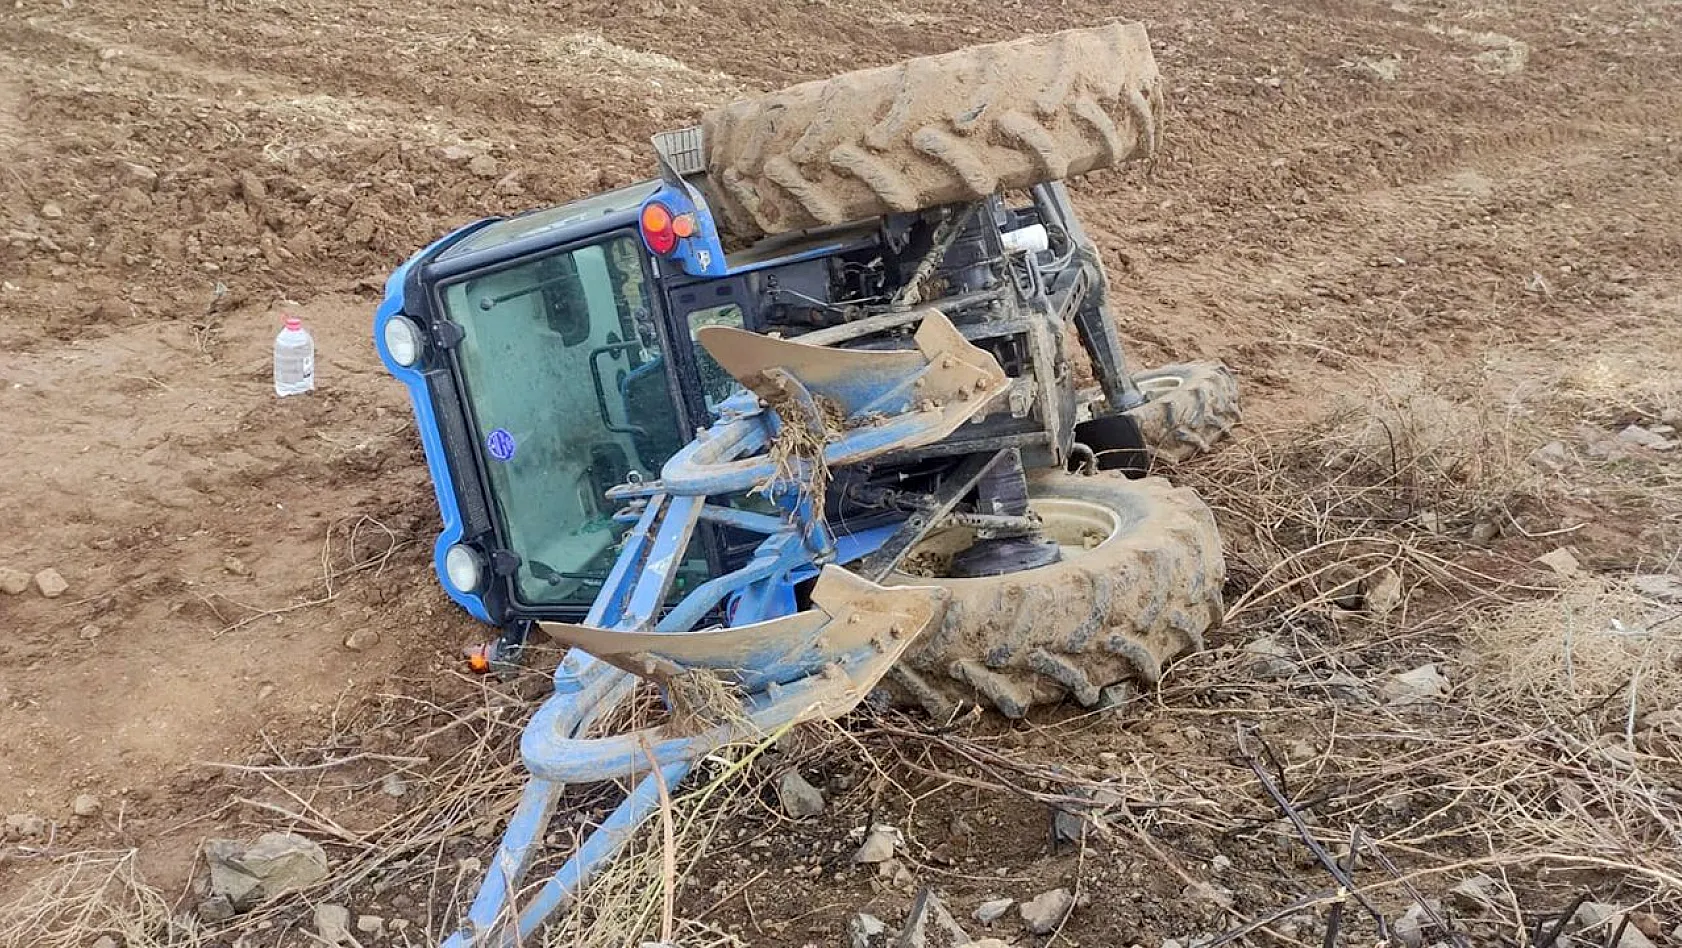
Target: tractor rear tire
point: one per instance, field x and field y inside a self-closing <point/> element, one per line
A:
<point x="1139" y="585"/>
<point x="934" y="130"/>
<point x="1188" y="408"/>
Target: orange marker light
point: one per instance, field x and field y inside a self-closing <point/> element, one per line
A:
<point x="683" y="225"/>
<point x="478" y="662"/>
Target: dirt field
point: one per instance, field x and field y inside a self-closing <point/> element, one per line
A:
<point x="1448" y="232"/>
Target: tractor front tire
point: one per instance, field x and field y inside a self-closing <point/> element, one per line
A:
<point x="1139" y="584"/>
<point x="1188" y="408"/>
<point x="931" y="131"/>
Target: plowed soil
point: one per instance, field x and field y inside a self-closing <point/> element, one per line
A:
<point x="1344" y="189"/>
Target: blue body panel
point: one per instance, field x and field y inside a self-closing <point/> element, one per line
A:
<point x="426" y="420"/>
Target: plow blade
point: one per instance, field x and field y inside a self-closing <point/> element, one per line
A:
<point x="852" y="624"/>
<point x="866" y="403"/>
<point x="819" y="663"/>
<point x="943" y="372"/>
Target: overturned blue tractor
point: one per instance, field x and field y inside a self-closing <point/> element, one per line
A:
<point x="801" y="416"/>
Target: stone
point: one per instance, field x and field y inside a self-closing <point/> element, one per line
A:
<point x="88" y="632"/>
<point x="1599" y="920"/>
<point x="1553" y="456"/>
<point x="25" y="826"/>
<point x="799" y="799"/>
<point x="52" y="211"/>
<point x="897" y="875"/>
<point x="252" y="188"/>
<point x="483" y="166"/>
<point x="139" y="176"/>
<point x="393" y="785"/>
<point x="106" y="941"/>
<point x="50" y="584"/>
<point x="1382" y="592"/>
<point x="865" y="930"/>
<point x="13" y="581"/>
<point x="992" y="910"/>
<point x="1418" y="686"/>
<point x="1206" y="892"/>
<point x="879" y="846"/>
<point x="370" y="924"/>
<point x="275" y="864"/>
<point x="1643" y="438"/>
<point x="217" y="908"/>
<point x="1044" y="912"/>
<point x="1484" y="531"/>
<point x="1388" y="69"/>
<point x="362" y="639"/>
<point x="1270" y="658"/>
<point x="931" y="925"/>
<point x="235" y="566"/>
<point x="1409" y="930"/>
<point x="85" y="805"/>
<point x="1563" y="562"/>
<point x="1660" y="586"/>
<point x="1476" y="892"/>
<point x="332" y="923"/>
<point x="1220" y="863"/>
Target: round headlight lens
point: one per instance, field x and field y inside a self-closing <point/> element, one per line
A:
<point x="463" y="568"/>
<point x="402" y="340"/>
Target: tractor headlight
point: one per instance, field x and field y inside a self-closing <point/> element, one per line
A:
<point x="403" y="341"/>
<point x="463" y="568"/>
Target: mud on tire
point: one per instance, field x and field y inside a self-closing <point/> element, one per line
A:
<point x="934" y="130"/>
<point x="1189" y="407"/>
<point x="1145" y="593"/>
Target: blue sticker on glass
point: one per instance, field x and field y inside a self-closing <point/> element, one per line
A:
<point x="501" y="444"/>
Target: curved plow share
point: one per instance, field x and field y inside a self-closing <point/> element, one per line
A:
<point x="783" y="665"/>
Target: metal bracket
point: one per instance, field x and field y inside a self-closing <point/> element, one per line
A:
<point x="879" y="564"/>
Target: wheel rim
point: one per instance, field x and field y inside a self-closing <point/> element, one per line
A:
<point x="1077" y="526"/>
<point x="1156" y="385"/>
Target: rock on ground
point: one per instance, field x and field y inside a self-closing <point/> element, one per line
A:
<point x="50" y="583"/>
<point x="275" y="864"/>
<point x="1660" y="586"/>
<point x="1044" y="912"/>
<point x="13" y="582"/>
<point x="1477" y="892"/>
<point x="931" y="925"/>
<point x="332" y="923"/>
<point x="217" y="908"/>
<point x="799" y="799"/>
<point x="25" y="826"/>
<point x="865" y="930"/>
<point x="85" y="804"/>
<point x="362" y="639"/>
<point x="1599" y="920"/>
<point x="1553" y="456"/>
<point x="1418" y="686"/>
<point x="992" y="910"/>
<point x="879" y="846"/>
<point x="1563" y="562"/>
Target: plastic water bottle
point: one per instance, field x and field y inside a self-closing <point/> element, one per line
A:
<point x="294" y="359"/>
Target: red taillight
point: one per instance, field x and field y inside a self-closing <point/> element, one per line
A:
<point x="657" y="229"/>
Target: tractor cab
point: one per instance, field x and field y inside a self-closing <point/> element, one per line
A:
<point x="540" y="369"/>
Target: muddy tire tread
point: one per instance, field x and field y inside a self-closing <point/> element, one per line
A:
<point x="933" y="130"/>
<point x="1120" y="612"/>
<point x="1190" y="420"/>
